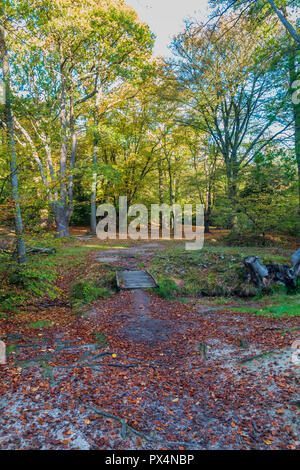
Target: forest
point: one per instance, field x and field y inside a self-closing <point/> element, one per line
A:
<point x="205" y="357"/>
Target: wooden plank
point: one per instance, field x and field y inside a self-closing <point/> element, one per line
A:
<point x="135" y="280"/>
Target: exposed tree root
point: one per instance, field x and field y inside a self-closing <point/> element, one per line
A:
<point x="258" y="356"/>
<point x="128" y="429"/>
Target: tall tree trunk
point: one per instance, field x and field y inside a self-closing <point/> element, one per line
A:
<point x="232" y="188"/>
<point x="21" y="250"/>
<point x="73" y="153"/>
<point x="295" y="75"/>
<point x="95" y="163"/>
<point x="62" y="219"/>
<point x="207" y="211"/>
<point x="170" y="182"/>
<point x="160" y="190"/>
<point x="94" y="183"/>
<point x="62" y="213"/>
<point x="171" y="194"/>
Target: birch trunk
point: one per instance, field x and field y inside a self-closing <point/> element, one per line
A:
<point x="21" y="250"/>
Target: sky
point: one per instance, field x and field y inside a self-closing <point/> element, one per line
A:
<point x="165" y="18"/>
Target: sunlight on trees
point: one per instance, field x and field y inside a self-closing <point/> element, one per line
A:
<point x="92" y="115"/>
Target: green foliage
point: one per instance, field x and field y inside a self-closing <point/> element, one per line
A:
<point x="85" y="292"/>
<point x="32" y="279"/>
<point x="267" y="198"/>
<point x="167" y="289"/>
<point x="101" y="339"/>
<point x="40" y="324"/>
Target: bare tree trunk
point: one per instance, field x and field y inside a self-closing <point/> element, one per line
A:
<point x="295" y="75"/>
<point x="288" y="26"/>
<point x="94" y="183"/>
<point x="160" y="190"/>
<point x="232" y="178"/>
<point x="171" y="194"/>
<point x="61" y="219"/>
<point x="73" y="153"/>
<point x="62" y="214"/>
<point x="207" y="211"/>
<point x="21" y="251"/>
<point x="170" y="182"/>
<point x="95" y="163"/>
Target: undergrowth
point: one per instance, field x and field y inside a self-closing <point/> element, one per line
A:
<point x="218" y="272"/>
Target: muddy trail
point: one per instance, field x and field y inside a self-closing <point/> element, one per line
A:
<point x="140" y="372"/>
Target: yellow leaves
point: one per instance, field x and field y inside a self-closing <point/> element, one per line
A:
<point x="175" y="400"/>
<point x="87" y="421"/>
<point x="267" y="441"/>
<point x="114" y="355"/>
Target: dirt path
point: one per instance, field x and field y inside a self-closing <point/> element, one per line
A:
<point x="174" y="374"/>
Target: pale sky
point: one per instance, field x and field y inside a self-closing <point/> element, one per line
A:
<point x="165" y="18"/>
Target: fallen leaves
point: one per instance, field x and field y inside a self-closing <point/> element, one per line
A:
<point x="215" y="403"/>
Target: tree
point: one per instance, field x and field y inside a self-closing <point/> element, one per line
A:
<point x="70" y="49"/>
<point x="294" y="75"/>
<point x="206" y="170"/>
<point x="266" y="195"/>
<point x="229" y="94"/>
<point x="285" y="49"/>
<point x="263" y="8"/>
<point x="21" y="250"/>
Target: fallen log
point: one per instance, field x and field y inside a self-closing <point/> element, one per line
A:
<point x="257" y="273"/>
<point x="296" y="263"/>
<point x="263" y="276"/>
<point x="30" y="250"/>
<point x="42" y="250"/>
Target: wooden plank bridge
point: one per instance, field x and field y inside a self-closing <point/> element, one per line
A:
<point x="127" y="280"/>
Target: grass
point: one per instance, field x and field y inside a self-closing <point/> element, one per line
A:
<point x="38" y="277"/>
<point x="217" y="273"/>
<point x="278" y="306"/>
<point x="210" y="272"/>
<point x="167" y="289"/>
<point x="40" y="324"/>
<point x="87" y="292"/>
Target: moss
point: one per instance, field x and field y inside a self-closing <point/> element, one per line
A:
<point x="101" y="339"/>
<point x="40" y="324"/>
<point x="86" y="292"/>
<point x="213" y="271"/>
